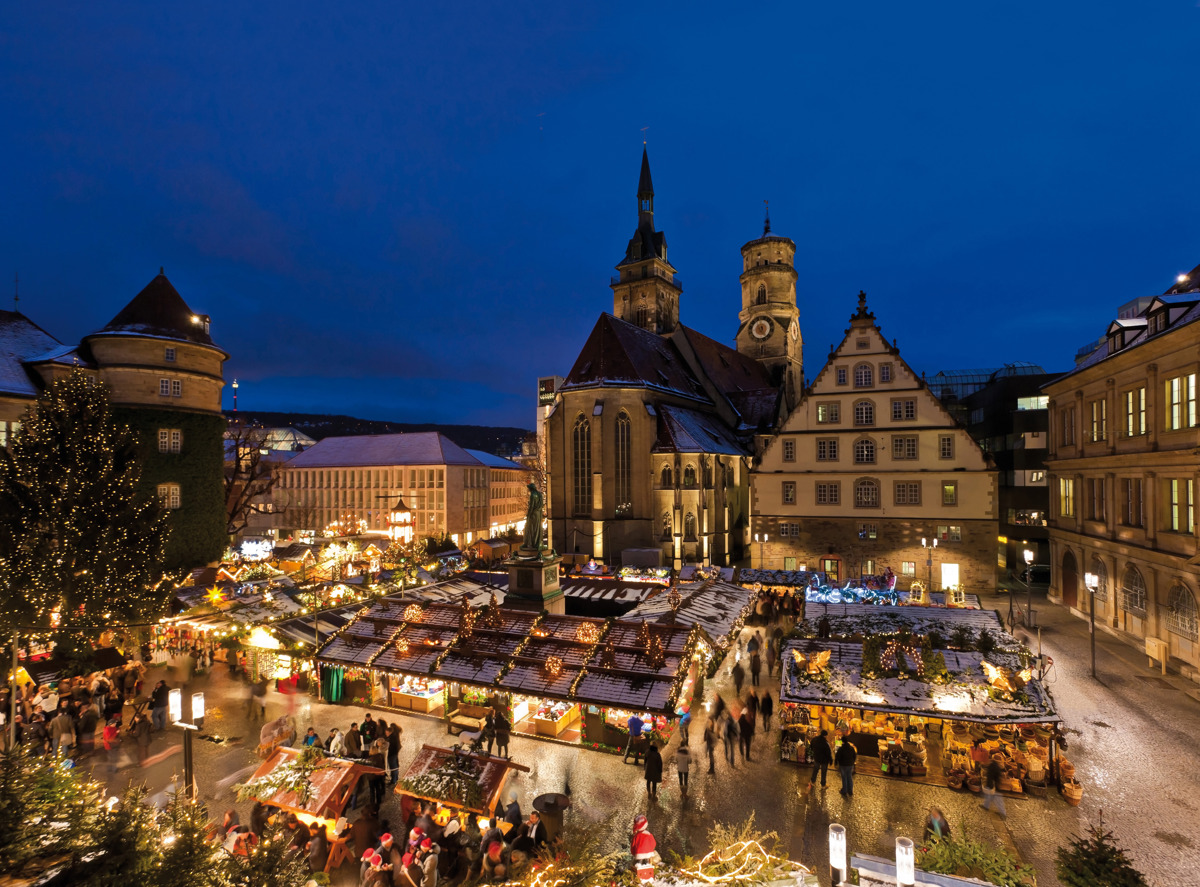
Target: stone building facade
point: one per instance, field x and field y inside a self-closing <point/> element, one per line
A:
<point x="1123" y="469"/>
<point x="869" y="464"/>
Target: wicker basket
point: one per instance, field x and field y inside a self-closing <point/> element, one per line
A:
<point x="974" y="783"/>
<point x="1034" y="789"/>
<point x="1072" y="791"/>
<point x="1066" y="769"/>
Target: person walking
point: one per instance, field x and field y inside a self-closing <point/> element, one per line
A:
<point x="766" y="708"/>
<point x="352" y="742"/>
<point x="772" y="656"/>
<point x="85" y="728"/>
<point x="936" y="826"/>
<point x="654" y="770"/>
<point x="111" y="737"/>
<point x="822" y="757"/>
<point x="730" y="736"/>
<point x="503" y="732"/>
<point x="991" y="787"/>
<point x="755" y="667"/>
<point x="62" y="733"/>
<point x="634" y="745"/>
<point x="739" y="678"/>
<point x="683" y="765"/>
<point x="752" y="706"/>
<point x="846" y="755"/>
<point x="393" y="753"/>
<point x="746" y="732"/>
<point x="489" y="730"/>
<point x="140" y="728"/>
<point x="710" y="744"/>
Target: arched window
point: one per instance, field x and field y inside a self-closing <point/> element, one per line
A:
<point x="624" y="466"/>
<point x="666" y="477"/>
<point x="762" y="294"/>
<point x="863" y="376"/>
<point x="1133" y="591"/>
<point x="581" y="447"/>
<point x="866" y="493"/>
<point x="864" y="451"/>
<point x="864" y="413"/>
<point x="689" y="528"/>
<point x="641" y="316"/>
<point x="689" y="476"/>
<point x="1182" y="618"/>
<point x="1101" y="572"/>
<point x="667" y="525"/>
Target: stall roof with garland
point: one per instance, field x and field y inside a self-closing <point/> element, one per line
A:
<point x="720" y="608"/>
<point x="626" y="663"/>
<point x="853" y="619"/>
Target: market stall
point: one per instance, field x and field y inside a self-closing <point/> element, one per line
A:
<point x="913" y="689"/>
<point x="459" y="782"/>
<point x="278" y="782"/>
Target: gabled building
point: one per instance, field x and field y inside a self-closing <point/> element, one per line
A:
<point x="1123" y="469"/>
<point x="867" y="466"/>
<point x="650" y="435"/>
<point x="164" y="375"/>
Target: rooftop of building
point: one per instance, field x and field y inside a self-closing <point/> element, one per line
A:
<point x="159" y="312"/>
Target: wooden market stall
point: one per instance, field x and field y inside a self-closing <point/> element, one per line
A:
<point x="459" y="782"/>
<point x="914" y="689"/>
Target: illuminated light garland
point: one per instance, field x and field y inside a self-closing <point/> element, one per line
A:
<point x="554" y="666"/>
<point x="674" y="599"/>
<point x="412" y="613"/>
<point x="587" y="633"/>
<point x="748" y="858"/>
<point x="402" y="646"/>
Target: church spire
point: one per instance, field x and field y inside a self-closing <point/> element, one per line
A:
<point x="767" y="218"/>
<point x="645" y="191"/>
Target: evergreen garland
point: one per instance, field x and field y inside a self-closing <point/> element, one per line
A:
<point x="1096" y="861"/>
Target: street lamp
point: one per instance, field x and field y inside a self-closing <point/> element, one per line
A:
<point x="837" y="854"/>
<point x="762" y="541"/>
<point x="929" y="558"/>
<point x="175" y="708"/>
<point x="1092" y="581"/>
<point x="1028" y="555"/>
<point x="906" y="863"/>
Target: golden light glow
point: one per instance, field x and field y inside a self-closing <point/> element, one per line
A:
<point x="412" y="613"/>
<point x="587" y="633"/>
<point x="215" y="595"/>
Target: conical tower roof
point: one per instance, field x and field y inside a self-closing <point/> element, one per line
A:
<point x="645" y="186"/>
<point x="159" y="312"/>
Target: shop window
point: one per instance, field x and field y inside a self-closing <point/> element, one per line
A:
<point x="1133" y="591"/>
<point x="1181" y="613"/>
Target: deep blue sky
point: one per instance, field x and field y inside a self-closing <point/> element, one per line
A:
<point x="411" y="210"/>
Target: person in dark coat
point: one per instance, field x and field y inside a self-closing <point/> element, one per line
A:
<point x="512" y="815"/>
<point x="654" y="769"/>
<point x="710" y="744"/>
<point x="730" y="737"/>
<point x="393" y="753"/>
<point x="846" y="755"/>
<point x="745" y="733"/>
<point x="353" y="742"/>
<point x="318" y="847"/>
<point x="85" y="728"/>
<point x="369" y="729"/>
<point x="766" y="708"/>
<point x="755" y="667"/>
<point x="366" y="831"/>
<point x="258" y="819"/>
<point x="739" y="677"/>
<point x="752" y="706"/>
<point x="503" y="731"/>
<point x="160" y="697"/>
<point x="140" y="728"/>
<point x="822" y="757"/>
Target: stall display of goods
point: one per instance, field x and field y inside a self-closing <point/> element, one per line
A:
<point x="552" y="718"/>
<point x="418" y="686"/>
<point x="416" y="694"/>
<point x="1024" y="755"/>
<point x="472" y="696"/>
<point x="619" y="719"/>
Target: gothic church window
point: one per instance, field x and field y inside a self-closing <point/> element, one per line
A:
<point x="624" y="466"/>
<point x="689" y="476"/>
<point x="581" y="444"/>
<point x="667" y="526"/>
<point x="689" y="528"/>
<point x="666" y="477"/>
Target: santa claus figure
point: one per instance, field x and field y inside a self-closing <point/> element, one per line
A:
<point x="642" y="846"/>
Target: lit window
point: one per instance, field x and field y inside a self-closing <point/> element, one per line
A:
<point x="829" y="413"/>
<point x="1037" y="402"/>
<point x="1099" y="420"/>
<point x="908" y="568"/>
<point x="168" y="496"/>
<point x="950" y="493"/>
<point x="1181" y="505"/>
<point x="1066" y="497"/>
<point x="1181" y="402"/>
<point x="868" y="531"/>
<point x="951" y="533"/>
<point x="170" y="440"/>
<point x="1135" y="412"/>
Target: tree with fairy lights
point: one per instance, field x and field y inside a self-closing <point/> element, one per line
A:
<point x="81" y="550"/>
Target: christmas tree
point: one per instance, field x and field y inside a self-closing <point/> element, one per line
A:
<point x="80" y="549"/>
<point x="1096" y="861"/>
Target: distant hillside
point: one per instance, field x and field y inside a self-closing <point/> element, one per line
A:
<point x="502" y="441"/>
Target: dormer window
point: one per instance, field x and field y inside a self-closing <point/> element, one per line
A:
<point x="1158" y="322"/>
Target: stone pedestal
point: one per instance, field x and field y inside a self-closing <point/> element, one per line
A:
<point x="533" y="577"/>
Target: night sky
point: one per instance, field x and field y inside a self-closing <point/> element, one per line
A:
<point x="410" y="211"/>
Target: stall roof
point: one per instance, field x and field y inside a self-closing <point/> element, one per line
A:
<point x="717" y="606"/>
<point x="966" y="698"/>
<point x="332" y="784"/>
<point x="849" y="619"/>
<point x="585" y="588"/>
<point x="492" y="772"/>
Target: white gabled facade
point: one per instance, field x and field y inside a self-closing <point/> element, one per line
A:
<point x="867" y="465"/>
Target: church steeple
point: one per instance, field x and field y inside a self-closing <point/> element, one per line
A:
<point x="647" y="291"/>
<point x="645" y="193"/>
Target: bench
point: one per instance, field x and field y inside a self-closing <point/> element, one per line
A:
<point x="463" y="722"/>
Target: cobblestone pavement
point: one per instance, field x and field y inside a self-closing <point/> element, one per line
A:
<point x="1130" y="738"/>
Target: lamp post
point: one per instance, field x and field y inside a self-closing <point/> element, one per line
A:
<point x="1092" y="581"/>
<point x="925" y="543"/>
<point x="906" y="863"/>
<point x="175" y="709"/>
<point x="762" y="541"/>
<point x="837" y="854"/>
<point x="1028" y="555"/>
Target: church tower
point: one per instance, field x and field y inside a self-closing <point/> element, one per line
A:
<point x="646" y="292"/>
<point x="769" y="322"/>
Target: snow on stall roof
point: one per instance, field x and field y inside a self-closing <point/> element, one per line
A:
<point x="713" y="605"/>
<point x="966" y="698"/>
<point x="848" y="619"/>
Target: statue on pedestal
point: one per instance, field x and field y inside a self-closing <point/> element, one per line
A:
<point x="534" y="541"/>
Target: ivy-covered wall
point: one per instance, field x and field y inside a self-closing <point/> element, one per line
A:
<point x="198" y="526"/>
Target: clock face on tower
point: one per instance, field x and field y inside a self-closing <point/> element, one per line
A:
<point x="761" y="328"/>
<point x="794" y="330"/>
